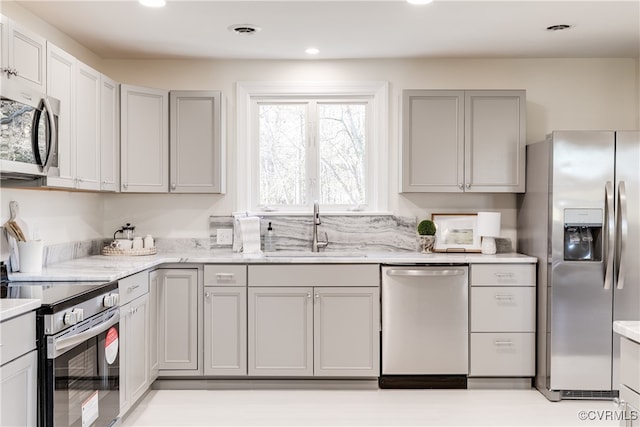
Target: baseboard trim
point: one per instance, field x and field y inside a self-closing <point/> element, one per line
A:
<point x="265" y="384"/>
<point x="499" y="383"/>
<point x="423" y="381"/>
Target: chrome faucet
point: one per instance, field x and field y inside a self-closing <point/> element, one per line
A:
<point x="315" y="244"/>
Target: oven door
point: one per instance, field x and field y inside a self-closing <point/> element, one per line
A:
<point x="82" y="375"/>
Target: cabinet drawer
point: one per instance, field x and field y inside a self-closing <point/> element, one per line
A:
<point x="315" y="275"/>
<point x="503" y="275"/>
<point x="631" y="398"/>
<point x="503" y="309"/>
<point x="225" y="275"/>
<point x="17" y="336"/>
<point x="495" y="355"/>
<point x="133" y="286"/>
<point x="630" y="364"/>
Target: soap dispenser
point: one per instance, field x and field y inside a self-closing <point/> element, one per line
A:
<point x="268" y="239"/>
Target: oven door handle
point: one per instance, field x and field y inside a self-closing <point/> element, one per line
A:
<point x="63" y="343"/>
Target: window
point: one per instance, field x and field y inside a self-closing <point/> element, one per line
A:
<point x="305" y="145"/>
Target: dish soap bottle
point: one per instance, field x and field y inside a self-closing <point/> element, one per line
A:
<point x="268" y="239"/>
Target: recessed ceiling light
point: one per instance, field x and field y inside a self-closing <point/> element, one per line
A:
<point x="244" y="29"/>
<point x="312" y="50"/>
<point x="419" y="1"/>
<point x="153" y="3"/>
<point x="559" y="27"/>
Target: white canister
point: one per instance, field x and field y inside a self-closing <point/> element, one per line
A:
<point x="30" y="256"/>
<point x="137" y="243"/>
<point x="148" y="241"/>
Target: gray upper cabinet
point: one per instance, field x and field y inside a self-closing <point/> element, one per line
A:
<point x="463" y="141"/>
<point x="109" y="135"/>
<point x="144" y="139"/>
<point x="197" y="142"/>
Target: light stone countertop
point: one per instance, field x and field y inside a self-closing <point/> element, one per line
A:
<point x="629" y="329"/>
<point x="108" y="268"/>
<point x="15" y="307"/>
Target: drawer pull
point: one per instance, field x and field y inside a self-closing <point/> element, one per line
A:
<point x="132" y="288"/>
<point x="503" y="275"/>
<point x="224" y="277"/>
<point x="503" y="343"/>
<point x="504" y="297"/>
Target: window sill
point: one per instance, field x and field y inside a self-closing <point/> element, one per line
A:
<point x="310" y="212"/>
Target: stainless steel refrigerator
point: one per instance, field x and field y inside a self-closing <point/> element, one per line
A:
<point x="580" y="217"/>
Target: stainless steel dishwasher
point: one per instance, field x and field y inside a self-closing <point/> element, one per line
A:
<point x="425" y="327"/>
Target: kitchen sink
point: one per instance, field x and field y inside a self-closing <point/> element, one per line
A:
<point x="305" y="254"/>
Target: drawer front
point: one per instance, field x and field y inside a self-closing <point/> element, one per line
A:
<point x="315" y="275"/>
<point x="632" y="399"/>
<point x="17" y="336"/>
<point x="503" y="309"/>
<point x="503" y="275"/>
<point x="225" y="275"/>
<point x="133" y="286"/>
<point x="630" y="364"/>
<point x="496" y="355"/>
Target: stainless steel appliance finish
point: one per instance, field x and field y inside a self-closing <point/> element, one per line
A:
<point x="579" y="217"/>
<point x="28" y="138"/>
<point x="425" y="320"/>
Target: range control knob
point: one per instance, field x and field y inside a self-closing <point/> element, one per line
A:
<point x="110" y="300"/>
<point x="74" y="316"/>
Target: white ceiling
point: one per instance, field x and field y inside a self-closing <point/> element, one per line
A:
<point x="348" y="29"/>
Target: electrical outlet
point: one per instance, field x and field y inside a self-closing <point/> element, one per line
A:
<point x="224" y="236"/>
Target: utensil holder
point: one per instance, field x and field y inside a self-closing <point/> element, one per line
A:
<point x="30" y="256"/>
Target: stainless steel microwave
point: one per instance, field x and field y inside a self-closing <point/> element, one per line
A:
<point x="28" y="137"/>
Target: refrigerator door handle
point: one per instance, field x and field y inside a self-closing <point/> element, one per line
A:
<point x="623" y="235"/>
<point x="610" y="230"/>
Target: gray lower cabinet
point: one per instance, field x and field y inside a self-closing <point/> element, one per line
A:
<point x="225" y="330"/>
<point x="154" y="280"/>
<point x="314" y="331"/>
<point x="134" y="332"/>
<point x="18" y="371"/>
<point x="178" y="321"/>
<point x="630" y="382"/>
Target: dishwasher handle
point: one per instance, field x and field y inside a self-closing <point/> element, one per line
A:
<point x="425" y="272"/>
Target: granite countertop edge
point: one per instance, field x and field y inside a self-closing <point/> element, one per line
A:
<point x="10" y="308"/>
<point x="102" y="268"/>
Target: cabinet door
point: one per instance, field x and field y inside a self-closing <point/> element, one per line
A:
<point x="109" y="135"/>
<point x="225" y="330"/>
<point x="178" y="319"/>
<point x="154" y="293"/>
<point x="125" y="402"/>
<point x="137" y="373"/>
<point x="18" y="382"/>
<point x="432" y="141"/>
<point x="144" y="133"/>
<point x="346" y="332"/>
<point x="25" y="57"/>
<point x="62" y="86"/>
<point x="197" y="142"/>
<point x="495" y="141"/>
<point x="280" y="331"/>
<point x="88" y="90"/>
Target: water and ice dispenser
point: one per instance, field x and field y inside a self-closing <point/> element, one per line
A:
<point x="583" y="234"/>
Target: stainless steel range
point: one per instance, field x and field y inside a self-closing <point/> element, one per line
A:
<point x="78" y="351"/>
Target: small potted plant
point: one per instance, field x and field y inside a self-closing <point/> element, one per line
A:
<point x="427" y="235"/>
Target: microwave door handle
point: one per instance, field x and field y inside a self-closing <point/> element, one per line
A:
<point x="624" y="233"/>
<point x="35" y="141"/>
<point x="52" y="136"/>
<point x="609" y="220"/>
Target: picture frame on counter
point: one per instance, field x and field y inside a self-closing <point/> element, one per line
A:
<point x="456" y="232"/>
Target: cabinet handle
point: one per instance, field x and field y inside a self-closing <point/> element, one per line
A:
<point x="460" y="186"/>
<point x="125" y="185"/>
<point x="224" y="277"/>
<point x="503" y="275"/>
<point x="317" y="295"/>
<point x="504" y="297"/>
<point x="207" y="295"/>
<point x="173" y="186"/>
<point x="468" y="185"/>
<point x="309" y="295"/>
<point x="132" y="288"/>
<point x="504" y="343"/>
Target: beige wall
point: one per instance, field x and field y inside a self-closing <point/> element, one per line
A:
<point x="561" y="94"/>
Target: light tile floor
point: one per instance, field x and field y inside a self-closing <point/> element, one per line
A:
<point x="365" y="408"/>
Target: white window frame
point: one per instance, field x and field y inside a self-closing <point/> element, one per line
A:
<point x="249" y="93"/>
